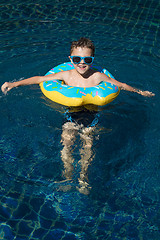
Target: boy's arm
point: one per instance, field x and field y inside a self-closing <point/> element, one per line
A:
<point x="7" y="86"/>
<point x="126" y="87"/>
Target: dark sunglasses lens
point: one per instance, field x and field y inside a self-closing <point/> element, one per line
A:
<point x="88" y="60"/>
<point x="76" y="59"/>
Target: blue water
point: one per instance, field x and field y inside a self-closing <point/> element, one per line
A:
<point x="40" y="195"/>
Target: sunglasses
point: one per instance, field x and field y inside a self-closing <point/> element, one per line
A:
<point x="78" y="59"/>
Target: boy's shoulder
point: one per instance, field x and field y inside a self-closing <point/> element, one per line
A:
<point x="97" y="74"/>
<point x="66" y="73"/>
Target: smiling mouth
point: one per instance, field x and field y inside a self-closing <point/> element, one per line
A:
<point x="82" y="66"/>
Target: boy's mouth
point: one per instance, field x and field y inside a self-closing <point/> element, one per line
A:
<point x="82" y="66"/>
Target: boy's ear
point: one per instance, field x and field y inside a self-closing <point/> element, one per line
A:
<point x="70" y="59"/>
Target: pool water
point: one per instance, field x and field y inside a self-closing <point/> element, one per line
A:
<point x="104" y="183"/>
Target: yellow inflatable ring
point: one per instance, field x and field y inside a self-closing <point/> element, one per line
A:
<point x="61" y="93"/>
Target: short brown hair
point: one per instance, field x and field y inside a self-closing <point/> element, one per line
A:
<point x="83" y="42"/>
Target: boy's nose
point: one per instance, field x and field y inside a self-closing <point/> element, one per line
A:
<point x="82" y="61"/>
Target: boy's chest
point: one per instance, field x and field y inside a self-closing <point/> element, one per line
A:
<point x="79" y="81"/>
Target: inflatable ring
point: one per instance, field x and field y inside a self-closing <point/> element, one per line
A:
<point x="61" y="93"/>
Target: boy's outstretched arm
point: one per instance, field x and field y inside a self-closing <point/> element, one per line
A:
<point x="7" y="86"/>
<point x="131" y="89"/>
<point x="126" y="87"/>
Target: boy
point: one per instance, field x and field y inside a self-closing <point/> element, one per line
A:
<point x="81" y="56"/>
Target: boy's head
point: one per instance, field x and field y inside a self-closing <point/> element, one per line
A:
<point x="83" y="43"/>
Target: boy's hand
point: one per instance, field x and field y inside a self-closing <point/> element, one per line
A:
<point x="7" y="86"/>
<point x="146" y="93"/>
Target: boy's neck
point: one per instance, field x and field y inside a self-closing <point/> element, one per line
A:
<point x="87" y="74"/>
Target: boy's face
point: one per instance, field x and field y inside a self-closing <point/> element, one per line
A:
<point x="81" y="67"/>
